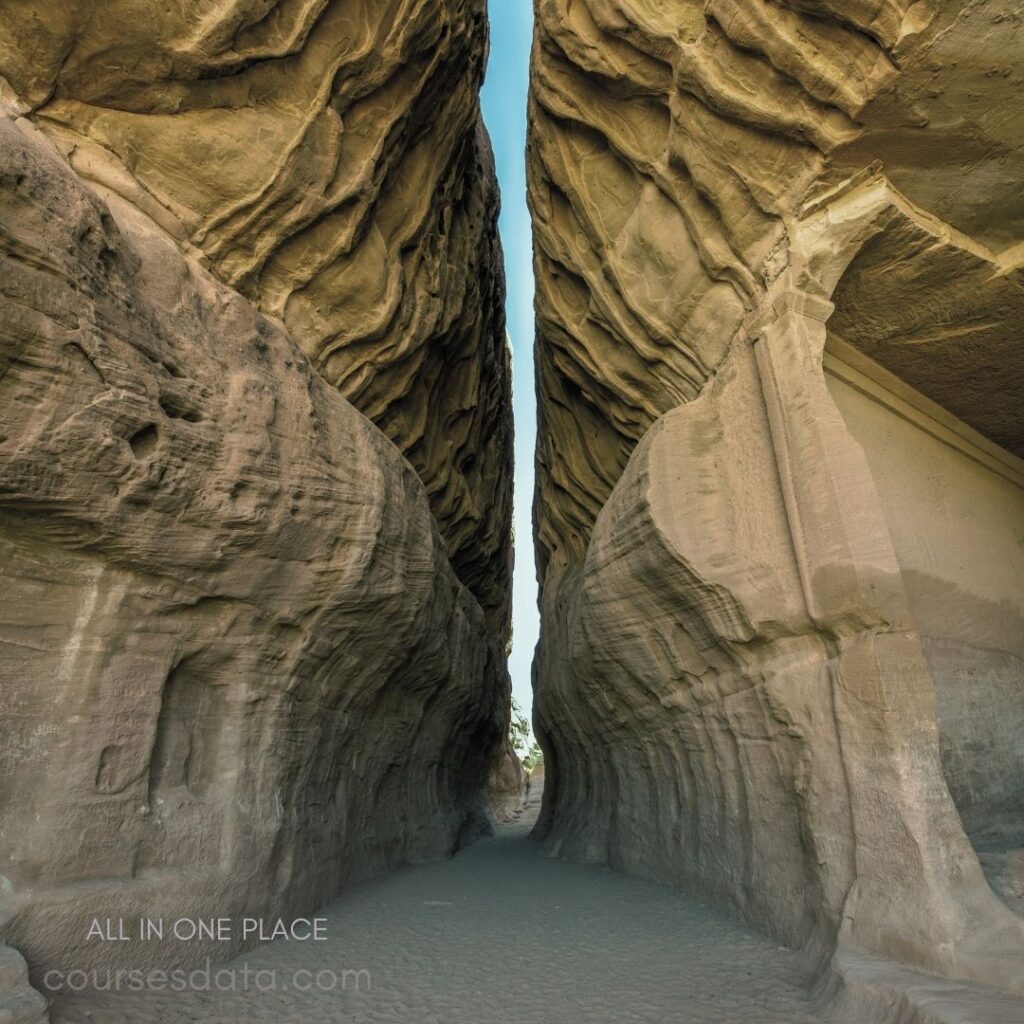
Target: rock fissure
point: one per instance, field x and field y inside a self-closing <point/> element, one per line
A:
<point x="256" y="486"/>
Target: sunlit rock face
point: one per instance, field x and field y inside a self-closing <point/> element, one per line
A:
<point x="326" y="159"/>
<point x="250" y="651"/>
<point x="671" y="141"/>
<point x="780" y="503"/>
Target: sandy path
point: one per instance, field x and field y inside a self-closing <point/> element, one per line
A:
<point x="501" y="935"/>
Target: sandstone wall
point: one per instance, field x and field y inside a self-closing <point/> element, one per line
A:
<point x="238" y="668"/>
<point x="955" y="511"/>
<point x="733" y="688"/>
<point x="669" y="143"/>
<point x="326" y="159"/>
<point x="251" y="652"/>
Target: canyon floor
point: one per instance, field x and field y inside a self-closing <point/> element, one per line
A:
<point x="499" y="934"/>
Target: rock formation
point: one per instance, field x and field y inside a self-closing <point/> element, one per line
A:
<point x="327" y="162"/>
<point x="251" y="653"/>
<point x="509" y="784"/>
<point x="780" y="488"/>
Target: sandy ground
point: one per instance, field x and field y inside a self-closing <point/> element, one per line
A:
<point x="499" y="935"/>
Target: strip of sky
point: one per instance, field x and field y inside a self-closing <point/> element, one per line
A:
<point x="504" y="105"/>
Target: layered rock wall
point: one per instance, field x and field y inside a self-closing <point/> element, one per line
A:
<point x="236" y="652"/>
<point x="736" y="682"/>
<point x="327" y="160"/>
<point x="254" y="462"/>
<point x="670" y="142"/>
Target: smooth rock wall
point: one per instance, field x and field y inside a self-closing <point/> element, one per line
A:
<point x="963" y="566"/>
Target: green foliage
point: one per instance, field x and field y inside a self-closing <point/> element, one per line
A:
<point x="522" y="740"/>
<point x="519" y="730"/>
<point x="534" y="758"/>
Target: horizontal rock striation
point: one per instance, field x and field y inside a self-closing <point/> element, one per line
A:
<point x="238" y="670"/>
<point x="326" y="158"/>
<point x="756" y="663"/>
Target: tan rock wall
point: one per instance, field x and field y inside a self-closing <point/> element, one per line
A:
<point x="957" y="523"/>
<point x="734" y="692"/>
<point x="251" y="652"/>
<point x="670" y="141"/>
<point x="238" y="668"/>
<point x="326" y="158"/>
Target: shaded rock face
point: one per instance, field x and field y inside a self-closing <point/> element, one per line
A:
<point x="251" y="653"/>
<point x="780" y="491"/>
<point x="326" y="159"/>
<point x="235" y="652"/>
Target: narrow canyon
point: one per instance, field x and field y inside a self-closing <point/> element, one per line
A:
<point x="256" y="495"/>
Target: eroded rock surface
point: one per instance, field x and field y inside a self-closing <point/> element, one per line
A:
<point x="326" y="158"/>
<point x="238" y="668"/>
<point x="509" y="784"/>
<point x="776" y="628"/>
<point x="671" y="141"/>
<point x="251" y="653"/>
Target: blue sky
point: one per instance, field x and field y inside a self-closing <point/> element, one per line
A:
<point x="504" y="103"/>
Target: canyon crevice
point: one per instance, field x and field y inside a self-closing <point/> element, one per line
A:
<point x="780" y="498"/>
<point x="256" y="477"/>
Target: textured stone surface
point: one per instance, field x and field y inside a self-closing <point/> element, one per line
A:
<point x="326" y="158"/>
<point x="509" y="784"/>
<point x="782" y="759"/>
<point x="669" y="144"/>
<point x="250" y="652"/>
<point x="19" y="1002"/>
<point x="774" y="615"/>
<point x="238" y="670"/>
